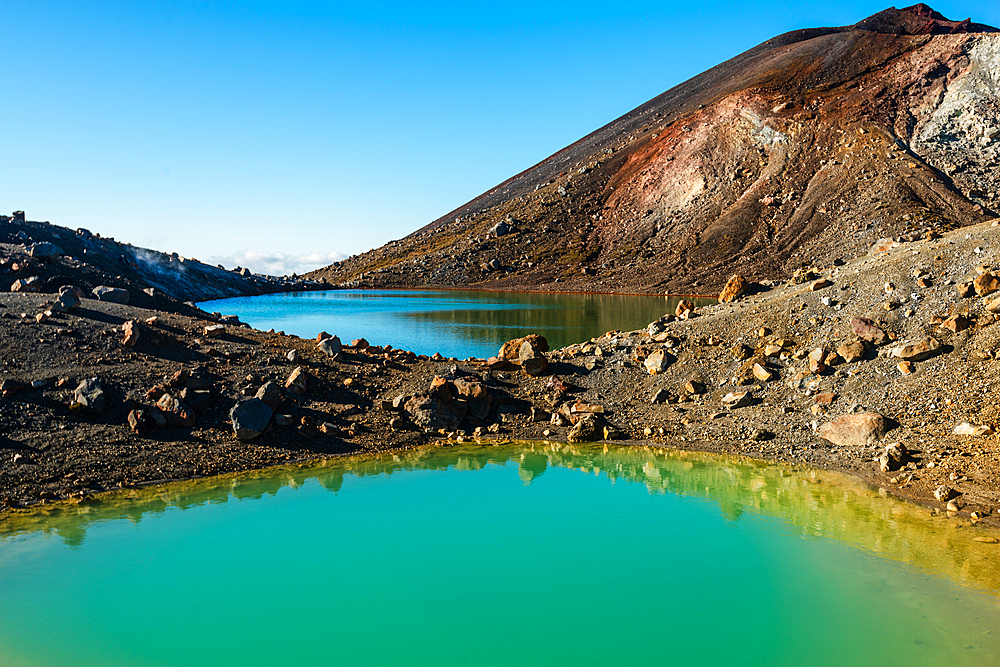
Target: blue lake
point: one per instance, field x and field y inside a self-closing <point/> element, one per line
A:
<point x="455" y="323"/>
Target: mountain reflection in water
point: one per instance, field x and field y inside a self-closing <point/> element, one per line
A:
<point x="817" y="504"/>
<point x="456" y="323"/>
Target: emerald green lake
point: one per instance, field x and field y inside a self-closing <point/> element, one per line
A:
<point x="537" y="553"/>
<point x="455" y="323"/>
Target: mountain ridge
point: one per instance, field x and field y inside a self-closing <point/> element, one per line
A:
<point x="712" y="176"/>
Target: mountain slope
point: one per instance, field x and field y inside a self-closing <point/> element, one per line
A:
<point x="804" y="149"/>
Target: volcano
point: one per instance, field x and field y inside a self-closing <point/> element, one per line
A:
<point x="806" y="149"/>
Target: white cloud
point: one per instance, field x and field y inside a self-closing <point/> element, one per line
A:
<point x="276" y="263"/>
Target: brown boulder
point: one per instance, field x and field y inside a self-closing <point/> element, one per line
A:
<point x="734" y="289"/>
<point x="860" y="430"/>
<point x="851" y="352"/>
<point x="986" y="283"/>
<point x="511" y="350"/>
<point x="684" y="310"/>
<point x="532" y="363"/>
<point x="925" y="348"/>
<point x="657" y="361"/>
<point x="587" y="429"/>
<point x="956" y="323"/>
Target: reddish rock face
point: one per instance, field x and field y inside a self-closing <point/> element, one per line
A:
<point x="807" y="148"/>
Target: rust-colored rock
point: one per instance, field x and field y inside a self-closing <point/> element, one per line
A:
<point x="511" y="350"/>
<point x="734" y="289"/>
<point x="868" y="331"/>
<point x="130" y="331"/>
<point x="986" y="283"/>
<point x="956" y="323"/>
<point x="860" y="430"/>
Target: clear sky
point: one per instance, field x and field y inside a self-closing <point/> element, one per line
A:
<point x="278" y="135"/>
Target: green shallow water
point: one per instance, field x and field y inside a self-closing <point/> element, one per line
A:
<point x="535" y="553"/>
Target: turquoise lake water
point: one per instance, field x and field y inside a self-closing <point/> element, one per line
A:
<point x="541" y="554"/>
<point x="455" y="323"/>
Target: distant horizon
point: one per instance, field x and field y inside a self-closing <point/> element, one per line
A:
<point x="285" y="136"/>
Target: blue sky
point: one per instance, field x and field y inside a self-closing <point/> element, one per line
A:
<point x="279" y="134"/>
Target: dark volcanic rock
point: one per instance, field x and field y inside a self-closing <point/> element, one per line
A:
<point x="250" y="418"/>
<point x="90" y="394"/>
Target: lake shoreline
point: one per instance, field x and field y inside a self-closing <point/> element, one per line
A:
<point x="775" y="375"/>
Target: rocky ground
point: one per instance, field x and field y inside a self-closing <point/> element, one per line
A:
<point x="41" y="257"/>
<point x="883" y="366"/>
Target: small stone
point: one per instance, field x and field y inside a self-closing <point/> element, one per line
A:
<point x="297" y="381"/>
<point x="270" y="394"/>
<point x="868" y="331"/>
<point x="360" y="344"/>
<point x="66" y="301"/>
<point x="657" y="362"/>
<point x="111" y="294"/>
<point x="511" y="350"/>
<point x="586" y="429"/>
<point x="532" y="362"/>
<point x="90" y="394"/>
<point x="45" y="250"/>
<point x="330" y="346"/>
<point x="694" y="386"/>
<point x="737" y="399"/>
<point x="892" y="458"/>
<point x="214" y="330"/>
<point x="141" y="422"/>
<point x="919" y="350"/>
<point x="851" y="352"/>
<point x="293" y="356"/>
<point x="176" y="412"/>
<point x="956" y="323"/>
<point x="944" y="493"/>
<point x="820" y="284"/>
<point x="965" y="428"/>
<point x="905" y="367"/>
<point x="986" y="283"/>
<point x="965" y="290"/>
<point x="131" y="332"/>
<point x="660" y="396"/>
<point x="762" y="373"/>
<point x="684" y="310"/>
